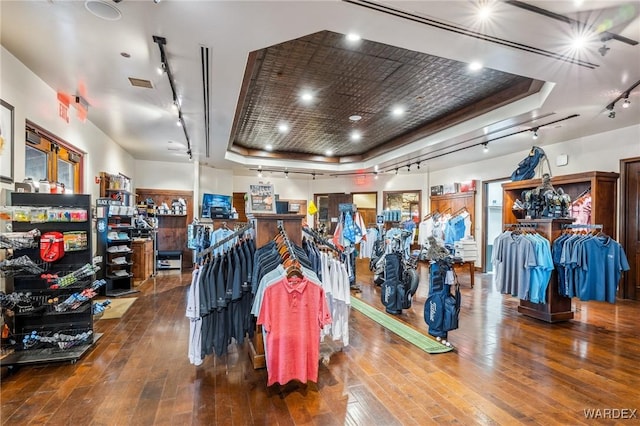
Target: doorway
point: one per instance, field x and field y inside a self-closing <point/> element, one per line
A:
<point x="630" y="226"/>
<point x="492" y="218"/>
<point x="328" y="208"/>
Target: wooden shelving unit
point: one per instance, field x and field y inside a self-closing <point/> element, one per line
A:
<point x="604" y="195"/>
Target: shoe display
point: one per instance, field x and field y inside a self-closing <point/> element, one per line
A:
<point x="119" y="260"/>
<point x="113" y="236"/>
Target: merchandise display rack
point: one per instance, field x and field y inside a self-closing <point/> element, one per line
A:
<point x="44" y="320"/>
<point x="114" y="227"/>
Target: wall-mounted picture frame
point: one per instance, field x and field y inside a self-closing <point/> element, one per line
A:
<point x="6" y="142"/>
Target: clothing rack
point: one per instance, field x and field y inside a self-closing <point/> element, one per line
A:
<point x="460" y="210"/>
<point x="225" y="240"/>
<point x="314" y="234"/>
<point x="287" y="242"/>
<point x="520" y="225"/>
<point x="583" y="193"/>
<point x="431" y="214"/>
<point x="582" y="226"/>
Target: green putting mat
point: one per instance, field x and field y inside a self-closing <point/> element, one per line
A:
<point x="398" y="327"/>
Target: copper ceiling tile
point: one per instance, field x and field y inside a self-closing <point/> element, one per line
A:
<point x="365" y="78"/>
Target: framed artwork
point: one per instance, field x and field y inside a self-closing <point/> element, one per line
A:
<point x="261" y="199"/>
<point x="6" y="142"/>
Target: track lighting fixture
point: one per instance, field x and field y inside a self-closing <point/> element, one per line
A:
<point x="418" y="167"/>
<point x="396" y="170"/>
<point x="604" y="49"/>
<point x="313" y="176"/>
<point x="485" y="147"/>
<point x="624" y="95"/>
<point x="164" y="62"/>
<point x="286" y="174"/>
<point x="260" y="174"/>
<point x="375" y="175"/>
<point x="408" y="167"/>
<point x="535" y="133"/>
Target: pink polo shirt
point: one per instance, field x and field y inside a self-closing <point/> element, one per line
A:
<point x="293" y="312"/>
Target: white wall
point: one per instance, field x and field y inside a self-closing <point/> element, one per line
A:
<point x="32" y="99"/>
<point x="215" y="181"/>
<point x="164" y="175"/>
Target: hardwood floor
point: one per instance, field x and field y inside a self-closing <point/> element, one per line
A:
<point x="506" y="369"/>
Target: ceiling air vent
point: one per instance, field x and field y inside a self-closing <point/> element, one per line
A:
<point x="138" y="82"/>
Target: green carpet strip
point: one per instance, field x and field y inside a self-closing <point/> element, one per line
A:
<point x="407" y="333"/>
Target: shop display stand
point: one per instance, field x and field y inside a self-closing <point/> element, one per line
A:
<point x="114" y="229"/>
<point x="266" y="227"/>
<point x="47" y="321"/>
<point x="558" y="307"/>
<point x="604" y="194"/>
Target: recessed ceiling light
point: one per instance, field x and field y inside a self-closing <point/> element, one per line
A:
<point x="103" y="10"/>
<point x="355" y="117"/>
<point x="306" y="97"/>
<point x="125" y="55"/>
<point x="484" y="12"/>
<point x="355" y="135"/>
<point x="579" y="42"/>
<point x="475" y="66"/>
<point x="283" y="128"/>
<point x="353" y="37"/>
<point x="397" y="111"/>
<point x="328" y="153"/>
<point x="268" y="147"/>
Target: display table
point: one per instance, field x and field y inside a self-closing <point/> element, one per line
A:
<point x="472" y="269"/>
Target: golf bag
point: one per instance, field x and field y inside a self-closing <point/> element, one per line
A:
<point x="442" y="308"/>
<point x="400" y="284"/>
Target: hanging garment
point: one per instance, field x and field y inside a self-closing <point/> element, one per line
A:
<point x="293" y="313"/>
<point x="523" y="265"/>
<point x="589" y="266"/>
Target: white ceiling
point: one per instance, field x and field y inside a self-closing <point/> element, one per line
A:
<point x="76" y="52"/>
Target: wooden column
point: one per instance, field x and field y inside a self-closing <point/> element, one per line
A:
<point x="266" y="228"/>
<point x="558" y="307"/>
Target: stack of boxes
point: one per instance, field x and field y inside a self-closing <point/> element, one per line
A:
<point x="466" y="249"/>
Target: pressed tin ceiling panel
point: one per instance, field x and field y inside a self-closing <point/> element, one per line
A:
<point x="363" y="78"/>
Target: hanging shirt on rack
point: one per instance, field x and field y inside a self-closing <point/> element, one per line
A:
<point x="425" y="230"/>
<point x="514" y="259"/>
<point x="218" y="235"/>
<point x="592" y="266"/>
<point x="219" y="302"/>
<point x="293" y="313"/>
<point x="366" y="245"/>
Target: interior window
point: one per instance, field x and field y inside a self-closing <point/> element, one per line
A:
<point x="47" y="157"/>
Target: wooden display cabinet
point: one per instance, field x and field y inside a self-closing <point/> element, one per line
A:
<point x="604" y="196"/>
<point x="142" y="259"/>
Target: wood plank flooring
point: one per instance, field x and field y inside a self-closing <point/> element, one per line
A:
<point x="506" y="369"/>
